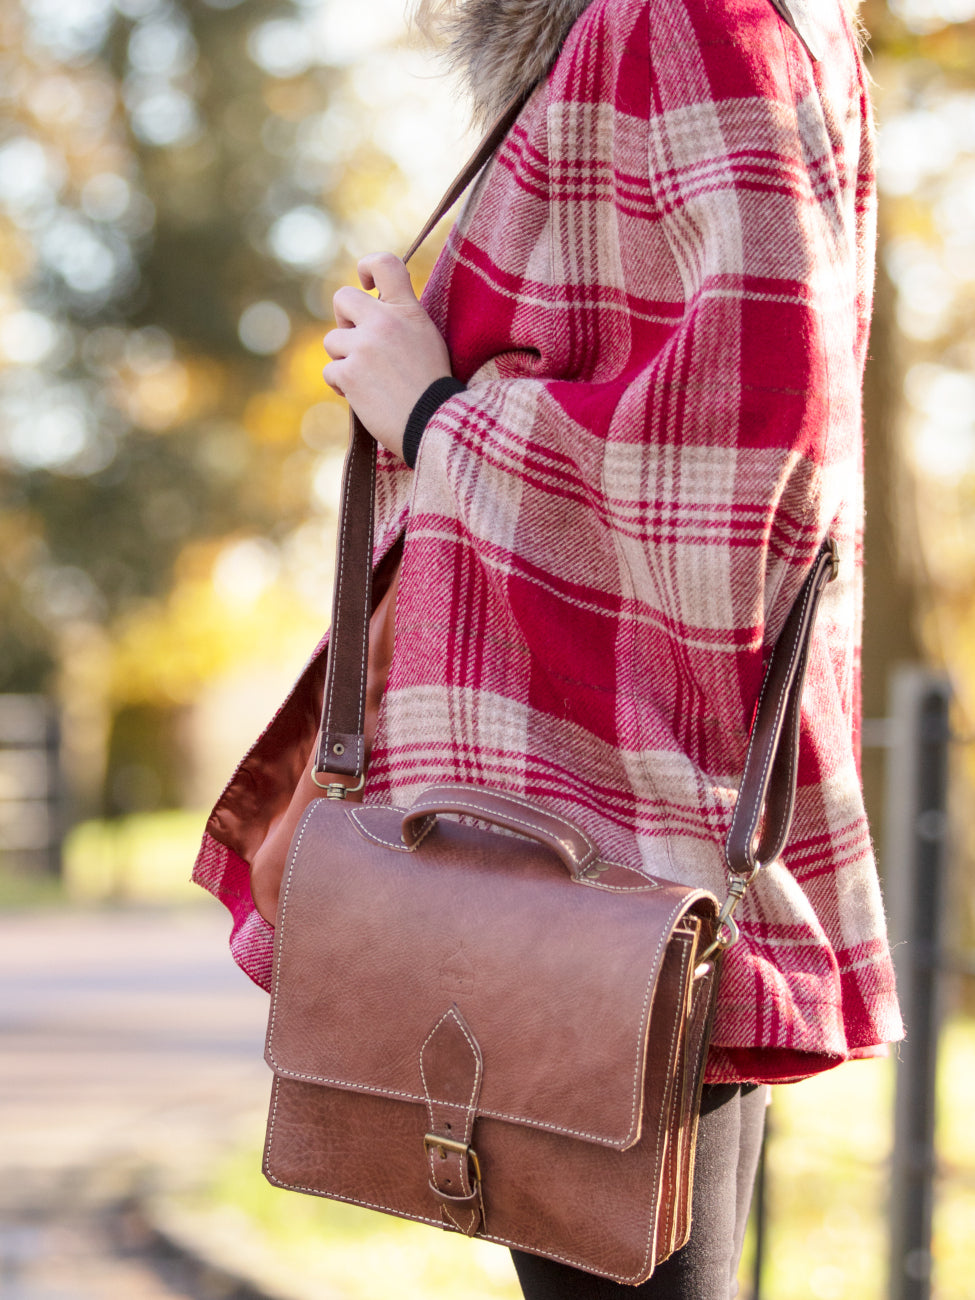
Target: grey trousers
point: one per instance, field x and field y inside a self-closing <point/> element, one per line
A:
<point x="728" y="1144"/>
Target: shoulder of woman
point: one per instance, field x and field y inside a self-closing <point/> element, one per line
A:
<point x="688" y="52"/>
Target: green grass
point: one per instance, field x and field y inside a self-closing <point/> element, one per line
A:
<point x="144" y="858"/>
<point x="827" y="1194"/>
<point x="20" y="889"/>
<point x="360" y="1255"/>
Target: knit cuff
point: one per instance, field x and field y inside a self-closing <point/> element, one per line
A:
<point x="427" y="403"/>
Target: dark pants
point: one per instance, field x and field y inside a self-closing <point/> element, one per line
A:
<point x="728" y="1143"/>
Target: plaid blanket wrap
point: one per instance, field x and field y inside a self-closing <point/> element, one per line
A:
<point x="658" y="293"/>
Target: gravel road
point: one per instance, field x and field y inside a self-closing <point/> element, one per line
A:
<point x="130" y="1049"/>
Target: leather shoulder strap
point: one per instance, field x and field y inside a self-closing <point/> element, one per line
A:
<point x="341" y="744"/>
<point x="766" y="797"/>
<point x="492" y="141"/>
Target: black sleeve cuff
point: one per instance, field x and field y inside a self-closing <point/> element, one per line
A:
<point x="427" y="403"/>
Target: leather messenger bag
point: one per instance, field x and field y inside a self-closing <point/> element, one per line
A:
<point x="497" y="1033"/>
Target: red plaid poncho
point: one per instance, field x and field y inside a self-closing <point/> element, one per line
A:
<point x="658" y="294"/>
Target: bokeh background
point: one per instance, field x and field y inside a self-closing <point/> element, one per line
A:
<point x="183" y="184"/>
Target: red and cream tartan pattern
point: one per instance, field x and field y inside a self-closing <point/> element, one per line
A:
<point x="658" y="294"/>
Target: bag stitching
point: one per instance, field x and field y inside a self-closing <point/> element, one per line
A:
<point x="340" y="578"/>
<point x="685" y="948"/>
<point x="475" y="1052"/>
<point x="398" y="845"/>
<point x="432" y="1101"/>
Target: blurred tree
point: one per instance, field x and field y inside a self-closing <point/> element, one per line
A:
<point x="920" y="392"/>
<point x="175" y="184"/>
<point x="181" y="184"/>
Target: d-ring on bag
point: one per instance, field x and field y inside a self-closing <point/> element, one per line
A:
<point x="500" y="1035"/>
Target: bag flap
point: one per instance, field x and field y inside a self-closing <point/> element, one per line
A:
<point x="554" y="976"/>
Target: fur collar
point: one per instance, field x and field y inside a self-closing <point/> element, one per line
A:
<point x="499" y="47"/>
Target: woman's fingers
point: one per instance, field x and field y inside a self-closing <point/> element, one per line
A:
<point x="384" y="272"/>
<point x="388" y="274"/>
<point x="331" y="374"/>
<point x="352" y="306"/>
<point x="385" y="351"/>
<point x="338" y="343"/>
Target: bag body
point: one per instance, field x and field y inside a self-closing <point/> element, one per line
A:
<point x="479" y="1031"/>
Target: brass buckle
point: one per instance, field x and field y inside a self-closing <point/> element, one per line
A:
<point x="335" y="789"/>
<point x="834" y="560"/>
<point x="431" y="1142"/>
<point x="726" y="928"/>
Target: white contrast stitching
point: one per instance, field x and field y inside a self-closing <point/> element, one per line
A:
<point x="357" y="815"/>
<point x="283" y="912"/>
<point x="452" y="1105"/>
<point x="431" y="823"/>
<point x="619" y="889"/>
<point x="445" y="1211"/>
<point x="339" y="581"/>
<point x="791" y="742"/>
<point x="475" y="1052"/>
<point x="658" y="1154"/>
<point x="407" y="1096"/>
<point x="593" y="883"/>
<point x="370" y="522"/>
<point x="396" y="845"/>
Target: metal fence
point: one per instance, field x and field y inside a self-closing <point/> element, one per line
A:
<point x="917" y="738"/>
<point x="31" y="789"/>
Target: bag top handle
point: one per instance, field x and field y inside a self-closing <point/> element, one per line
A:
<point x="763" y="811"/>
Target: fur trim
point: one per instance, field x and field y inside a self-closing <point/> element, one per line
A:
<point x="499" y="47"/>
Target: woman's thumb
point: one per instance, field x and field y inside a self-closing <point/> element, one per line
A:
<point x="387" y="273"/>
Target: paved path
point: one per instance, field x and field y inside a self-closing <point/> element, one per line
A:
<point x="128" y="1042"/>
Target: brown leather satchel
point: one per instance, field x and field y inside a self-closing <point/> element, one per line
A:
<point x="500" y="1034"/>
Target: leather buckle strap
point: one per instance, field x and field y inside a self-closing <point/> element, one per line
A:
<point x="442" y="1145"/>
<point x="455" y="1181"/>
<point x="451" y="1068"/>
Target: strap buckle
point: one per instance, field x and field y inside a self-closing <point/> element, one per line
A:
<point x="335" y="789"/>
<point x="834" y="559"/>
<point x="433" y="1142"/>
<point x="727" y="927"/>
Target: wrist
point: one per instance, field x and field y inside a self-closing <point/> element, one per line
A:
<point x="429" y="401"/>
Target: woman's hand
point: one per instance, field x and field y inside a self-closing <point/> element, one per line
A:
<point x="386" y="351"/>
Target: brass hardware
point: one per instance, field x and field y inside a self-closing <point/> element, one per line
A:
<point x="432" y="1142"/>
<point x="594" y="871"/>
<point x="338" y="748"/>
<point x="727" y="926"/>
<point x="834" y="556"/>
<point x="335" y="789"/>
